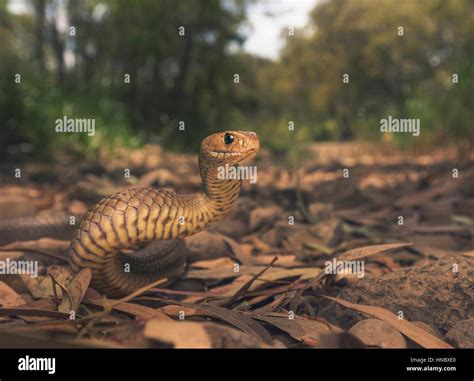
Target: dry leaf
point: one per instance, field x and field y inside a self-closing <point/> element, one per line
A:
<point x="239" y="252"/>
<point x="143" y="312"/>
<point x="176" y="311"/>
<point x="179" y="334"/>
<point x="418" y="198"/>
<point x="246" y="287"/>
<point x="32" y="312"/>
<point x="302" y="329"/>
<point x="48" y="326"/>
<point x="235" y="318"/>
<point x="366" y="251"/>
<point x="224" y="291"/>
<point x="469" y="253"/>
<point x="49" y="247"/>
<point x="279" y="274"/>
<point x="340" y="340"/>
<point x="285" y="324"/>
<point x="264" y="216"/>
<point x="419" y="336"/>
<point x="42" y="341"/>
<point x="206" y="245"/>
<point x="75" y="291"/>
<point x="273" y="274"/>
<point x="441" y="229"/>
<point x="214" y="263"/>
<point x="42" y="304"/>
<point x="42" y="286"/>
<point x="283" y="260"/>
<point x="222" y="273"/>
<point x="8" y="297"/>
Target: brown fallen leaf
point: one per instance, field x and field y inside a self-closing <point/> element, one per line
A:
<point x="176" y="311"/>
<point x="284" y="324"/>
<point x="366" y="251"/>
<point x="302" y="329"/>
<point x="264" y="216"/>
<point x="49" y="326"/>
<point x="219" y="292"/>
<point x="42" y="286"/>
<point x="422" y="196"/>
<point x="270" y="307"/>
<point x="10" y="255"/>
<point x="49" y="247"/>
<point x="143" y="312"/>
<point x="431" y="251"/>
<point x="283" y="260"/>
<point x="14" y="206"/>
<point x="246" y="286"/>
<point x="235" y="318"/>
<point x="222" y="272"/>
<point x="178" y="334"/>
<point x="273" y="274"/>
<point x="8" y="297"/>
<point x="441" y="229"/>
<point x="206" y="245"/>
<point x="258" y="243"/>
<point x="214" y="263"/>
<point x="256" y="300"/>
<point x="285" y="289"/>
<point x="318" y="247"/>
<point x="181" y="334"/>
<point x="42" y="304"/>
<point x="239" y="252"/>
<point x="32" y="312"/>
<point x="238" y="320"/>
<point x="97" y="316"/>
<point x="75" y="291"/>
<point x="279" y="274"/>
<point x="21" y="340"/>
<point x="340" y="340"/>
<point x="419" y="336"/>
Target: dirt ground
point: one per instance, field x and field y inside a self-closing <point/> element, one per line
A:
<point x="258" y="278"/>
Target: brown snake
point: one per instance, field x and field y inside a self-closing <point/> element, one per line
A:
<point x="108" y="234"/>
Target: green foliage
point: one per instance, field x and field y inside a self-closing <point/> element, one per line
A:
<point x="189" y="78"/>
<point x="173" y="77"/>
<point x="407" y="76"/>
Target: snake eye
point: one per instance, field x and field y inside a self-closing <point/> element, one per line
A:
<point x="228" y="138"/>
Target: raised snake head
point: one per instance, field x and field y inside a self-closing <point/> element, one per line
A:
<point x="229" y="147"/>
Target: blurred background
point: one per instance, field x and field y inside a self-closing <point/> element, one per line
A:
<point x="290" y="57"/>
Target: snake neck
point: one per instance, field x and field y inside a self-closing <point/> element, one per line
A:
<point x="219" y="193"/>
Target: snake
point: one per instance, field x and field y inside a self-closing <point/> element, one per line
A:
<point x="135" y="237"/>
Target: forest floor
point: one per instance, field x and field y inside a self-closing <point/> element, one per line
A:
<point x="400" y="225"/>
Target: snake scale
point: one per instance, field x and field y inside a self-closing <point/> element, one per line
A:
<point x="134" y="237"/>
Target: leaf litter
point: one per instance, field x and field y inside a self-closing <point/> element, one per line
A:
<point x="235" y="292"/>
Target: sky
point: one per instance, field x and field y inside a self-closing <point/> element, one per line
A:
<point x="267" y="18"/>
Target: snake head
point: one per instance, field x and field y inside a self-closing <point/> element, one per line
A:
<point x="230" y="147"/>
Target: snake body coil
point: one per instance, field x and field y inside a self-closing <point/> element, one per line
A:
<point x="110" y="232"/>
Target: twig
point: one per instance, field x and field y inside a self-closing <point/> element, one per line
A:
<point x="241" y="291"/>
<point x="109" y="306"/>
<point x="63" y="289"/>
